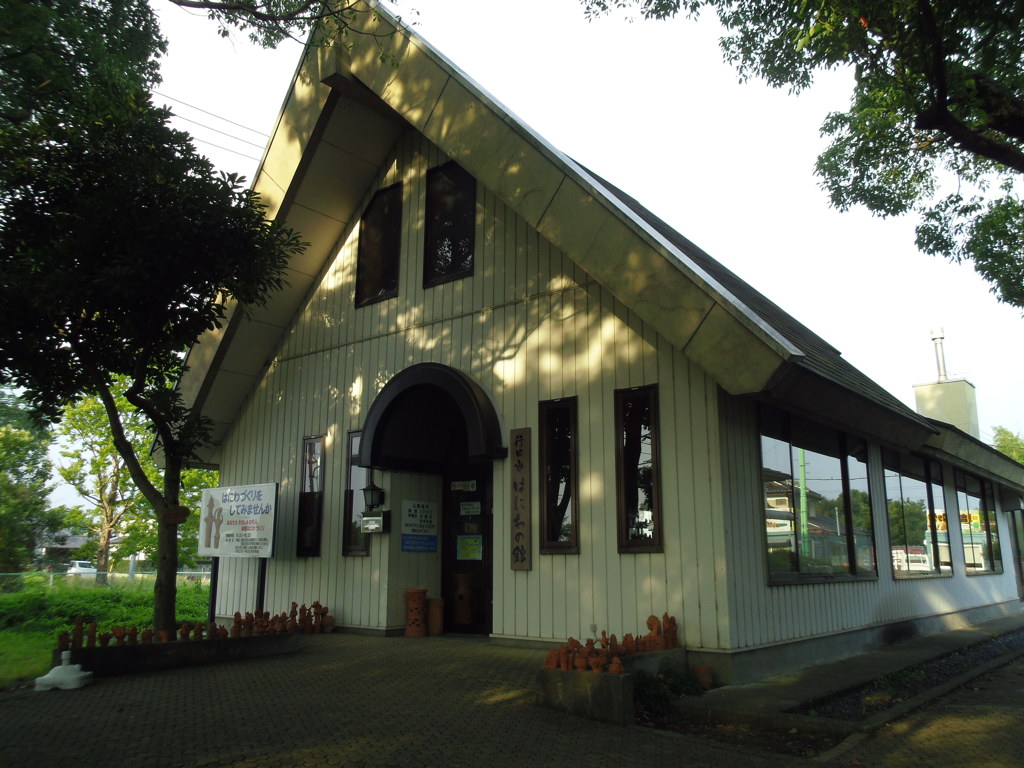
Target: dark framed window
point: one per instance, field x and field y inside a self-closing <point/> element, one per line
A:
<point x="816" y="502"/>
<point x="918" y="529"/>
<point x="558" y="477"/>
<point x="311" y="498"/>
<point x="637" y="472"/>
<point x="354" y="542"/>
<point x="380" y="241"/>
<point x="450" y="224"/>
<point x="978" y="530"/>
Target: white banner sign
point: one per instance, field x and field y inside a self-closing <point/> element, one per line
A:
<point x="238" y="521"/>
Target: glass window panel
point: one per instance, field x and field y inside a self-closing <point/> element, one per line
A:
<point x="558" y="475"/>
<point x="450" y="224"/>
<point x="780" y="525"/>
<point x="860" y="511"/>
<point x="817" y="506"/>
<point x="637" y="454"/>
<point x="380" y="241"/>
<point x="354" y="541"/>
<point x="820" y="513"/>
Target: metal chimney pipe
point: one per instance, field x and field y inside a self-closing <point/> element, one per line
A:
<point x="940" y="357"/>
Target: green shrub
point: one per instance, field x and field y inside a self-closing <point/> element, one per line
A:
<point x="42" y="608"/>
<point x="655" y="694"/>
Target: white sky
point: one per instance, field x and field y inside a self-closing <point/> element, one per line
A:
<point x="652" y="108"/>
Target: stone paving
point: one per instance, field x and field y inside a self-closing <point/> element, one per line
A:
<point x="346" y="700"/>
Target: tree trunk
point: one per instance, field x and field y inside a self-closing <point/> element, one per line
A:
<point x="165" y="589"/>
<point x="103" y="555"/>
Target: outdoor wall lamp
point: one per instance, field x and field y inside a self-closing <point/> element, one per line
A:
<point x="373" y="496"/>
<point x="375" y="520"/>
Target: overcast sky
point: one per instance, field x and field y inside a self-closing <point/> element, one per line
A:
<point x="651" y="107"/>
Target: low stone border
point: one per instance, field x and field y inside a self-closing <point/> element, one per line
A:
<point x="112" y="660"/>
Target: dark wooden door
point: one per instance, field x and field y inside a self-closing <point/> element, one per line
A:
<point x="466" y="570"/>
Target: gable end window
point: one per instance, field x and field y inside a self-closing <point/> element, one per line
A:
<point x="815" y="504"/>
<point x="637" y="470"/>
<point x="450" y="224"/>
<point x="558" y="475"/>
<point x="380" y="241"/>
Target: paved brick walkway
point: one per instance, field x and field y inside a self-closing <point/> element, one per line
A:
<point x="345" y="700"/>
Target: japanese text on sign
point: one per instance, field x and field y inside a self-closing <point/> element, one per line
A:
<point x="522" y="543"/>
<point x="238" y="521"/>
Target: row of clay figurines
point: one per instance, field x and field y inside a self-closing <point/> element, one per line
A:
<point x="606" y="654"/>
<point x="311" y="620"/>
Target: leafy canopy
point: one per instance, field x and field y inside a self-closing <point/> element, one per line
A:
<point x="119" y="244"/>
<point x="936" y="119"/>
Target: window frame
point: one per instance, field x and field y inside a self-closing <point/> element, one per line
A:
<point x="626" y="544"/>
<point x="546" y="407"/>
<point x="847" y="447"/>
<point x="353" y="544"/>
<point x="932" y="478"/>
<point x="310" y="514"/>
<point x="436" y="229"/>
<point x="986" y="497"/>
<point x="390" y="247"/>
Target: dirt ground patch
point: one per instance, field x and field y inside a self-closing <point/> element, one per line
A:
<point x="792" y="742"/>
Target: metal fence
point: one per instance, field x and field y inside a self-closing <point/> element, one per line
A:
<point x="17" y="582"/>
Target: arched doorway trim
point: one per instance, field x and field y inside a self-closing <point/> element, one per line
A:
<point x="483" y="431"/>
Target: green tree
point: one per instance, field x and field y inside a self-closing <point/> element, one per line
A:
<point x="25" y="513"/>
<point x="1009" y="443"/>
<point x="119" y="244"/>
<point x="936" y="119"/>
<point x="908" y="523"/>
<point x="114" y="505"/>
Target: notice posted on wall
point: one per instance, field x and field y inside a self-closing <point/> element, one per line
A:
<point x="419" y="526"/>
<point x="238" y="521"/>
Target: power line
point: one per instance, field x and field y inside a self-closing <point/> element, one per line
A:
<point x="213" y="114"/>
<point x="216" y="130"/>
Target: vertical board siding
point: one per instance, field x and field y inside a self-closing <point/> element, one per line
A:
<point x="529" y="325"/>
<point x="762" y="615"/>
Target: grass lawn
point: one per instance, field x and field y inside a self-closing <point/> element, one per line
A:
<point x="24" y="656"/>
<point x="32" y="617"/>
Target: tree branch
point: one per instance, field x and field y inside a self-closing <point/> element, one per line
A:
<point x="124" y="447"/>
<point x="302" y="13"/>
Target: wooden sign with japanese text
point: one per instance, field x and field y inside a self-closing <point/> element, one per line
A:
<point x="522" y="539"/>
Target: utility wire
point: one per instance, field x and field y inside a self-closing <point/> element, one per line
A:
<point x="192" y="106"/>
<point x="215" y="130"/>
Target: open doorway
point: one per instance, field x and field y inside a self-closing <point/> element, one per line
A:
<point x="432" y="419"/>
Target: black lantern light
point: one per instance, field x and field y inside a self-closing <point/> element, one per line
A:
<point x="373" y="496"/>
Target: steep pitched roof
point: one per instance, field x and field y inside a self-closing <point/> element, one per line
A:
<point x="346" y="106"/>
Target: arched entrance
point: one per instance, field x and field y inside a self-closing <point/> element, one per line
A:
<point x="436" y="420"/>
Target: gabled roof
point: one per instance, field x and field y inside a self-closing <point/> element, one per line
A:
<point x="344" y="110"/>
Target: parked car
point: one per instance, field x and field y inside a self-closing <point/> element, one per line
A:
<point x="82" y="568"/>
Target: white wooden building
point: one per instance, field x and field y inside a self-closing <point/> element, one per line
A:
<point x="593" y="419"/>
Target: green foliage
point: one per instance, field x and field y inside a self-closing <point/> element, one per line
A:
<point x="119" y="244"/>
<point x="937" y="102"/>
<point x="113" y="506"/>
<point x="655" y="694"/>
<point x="25" y="513"/>
<point x="31" y="619"/>
<point x="54" y="609"/>
<point x="908" y="523"/>
<point x="24" y="656"/>
<point x="1009" y="443"/>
